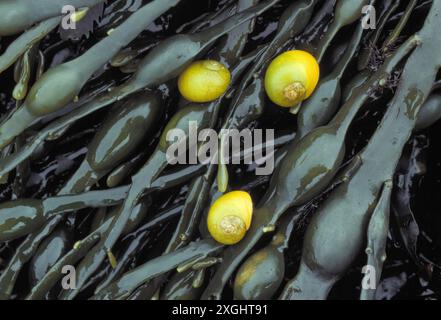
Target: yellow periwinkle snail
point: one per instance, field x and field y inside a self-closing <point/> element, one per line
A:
<point x="291" y="78"/>
<point x="229" y="217"/>
<point x="204" y="81"/>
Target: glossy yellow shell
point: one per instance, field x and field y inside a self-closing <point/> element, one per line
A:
<point x="291" y="78"/>
<point x="204" y="81"/>
<point x="229" y="217"/>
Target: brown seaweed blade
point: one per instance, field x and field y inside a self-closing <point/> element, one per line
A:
<point x="327" y="251"/>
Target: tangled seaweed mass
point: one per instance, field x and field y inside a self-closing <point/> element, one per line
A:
<point x="90" y="98"/>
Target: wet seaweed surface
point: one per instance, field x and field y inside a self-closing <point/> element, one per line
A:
<point x="45" y="173"/>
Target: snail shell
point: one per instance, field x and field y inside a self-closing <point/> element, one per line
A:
<point x="204" y="81"/>
<point x="229" y="217"/>
<point x="291" y="78"/>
